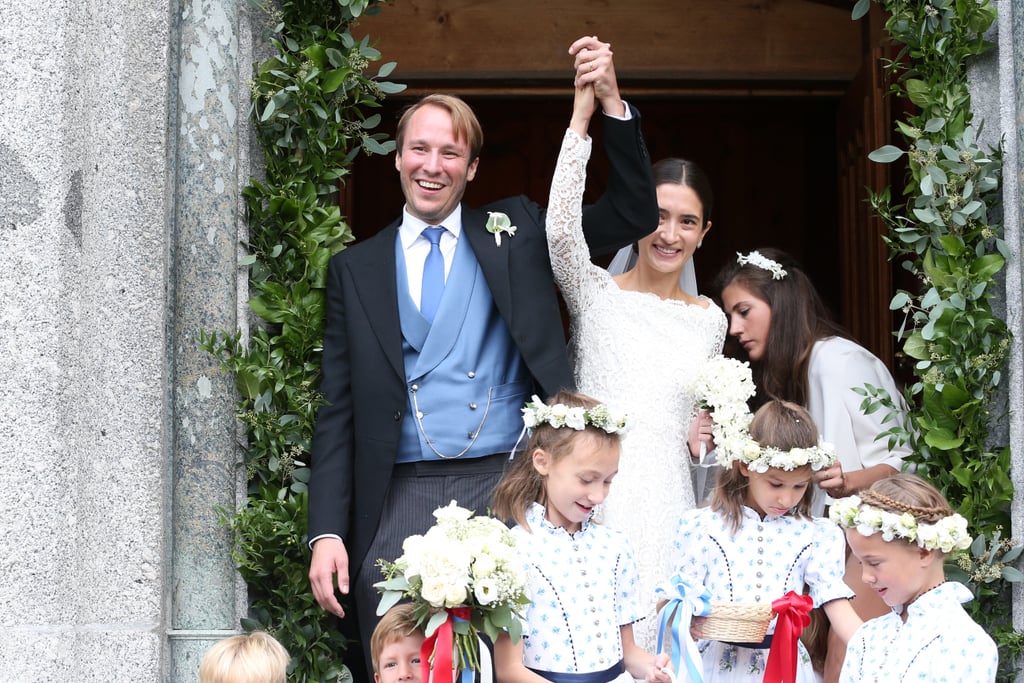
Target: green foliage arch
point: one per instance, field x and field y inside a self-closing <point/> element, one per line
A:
<point x="944" y="230"/>
<point x="312" y="111"/>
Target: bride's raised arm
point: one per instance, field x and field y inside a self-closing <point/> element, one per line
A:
<point x="567" y="248"/>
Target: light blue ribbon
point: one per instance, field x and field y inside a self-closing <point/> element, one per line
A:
<point x="467" y="675"/>
<point x="685" y="600"/>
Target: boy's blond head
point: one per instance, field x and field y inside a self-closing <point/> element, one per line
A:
<point x="396" y="624"/>
<point x="248" y="658"/>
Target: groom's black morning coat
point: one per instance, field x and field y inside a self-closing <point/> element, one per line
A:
<point x="357" y="431"/>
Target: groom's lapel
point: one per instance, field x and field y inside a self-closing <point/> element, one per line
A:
<point x="493" y="259"/>
<point x="377" y="288"/>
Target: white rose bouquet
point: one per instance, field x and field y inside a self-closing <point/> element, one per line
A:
<point x="723" y="386"/>
<point x="463" y="578"/>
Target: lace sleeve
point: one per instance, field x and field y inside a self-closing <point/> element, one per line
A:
<point x="570" y="257"/>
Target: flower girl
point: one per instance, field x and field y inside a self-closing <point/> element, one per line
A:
<point x="928" y="637"/>
<point x="582" y="576"/>
<point x="756" y="544"/>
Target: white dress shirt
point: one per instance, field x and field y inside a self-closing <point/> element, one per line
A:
<point x="416" y="247"/>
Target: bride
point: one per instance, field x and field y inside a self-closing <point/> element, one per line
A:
<point x="638" y="341"/>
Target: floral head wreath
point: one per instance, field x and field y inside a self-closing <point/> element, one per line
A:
<point x="759" y="260"/>
<point x="947" y="534"/>
<point x="759" y="458"/>
<point x="560" y="415"/>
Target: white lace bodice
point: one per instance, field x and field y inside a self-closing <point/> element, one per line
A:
<point x="639" y="353"/>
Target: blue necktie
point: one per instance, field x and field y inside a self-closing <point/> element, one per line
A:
<point x="433" y="275"/>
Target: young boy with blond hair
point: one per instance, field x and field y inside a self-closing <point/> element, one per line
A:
<point x="247" y="658"/>
<point x="395" y="647"/>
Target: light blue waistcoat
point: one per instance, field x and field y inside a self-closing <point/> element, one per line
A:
<point x="465" y="378"/>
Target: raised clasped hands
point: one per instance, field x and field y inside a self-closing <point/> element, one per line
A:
<point x="594" y="66"/>
<point x="330" y="559"/>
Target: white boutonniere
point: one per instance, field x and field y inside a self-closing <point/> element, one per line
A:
<point x="497" y="223"/>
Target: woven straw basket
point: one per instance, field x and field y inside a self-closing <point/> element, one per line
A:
<point x="737" y="622"/>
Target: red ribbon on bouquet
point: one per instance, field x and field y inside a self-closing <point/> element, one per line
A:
<point x="440" y="643"/>
<point x="794" y="612"/>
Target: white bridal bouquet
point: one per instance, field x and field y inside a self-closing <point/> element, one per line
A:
<point x="463" y="577"/>
<point x="723" y="386"/>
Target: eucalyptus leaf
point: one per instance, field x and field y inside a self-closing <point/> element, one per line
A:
<point x="335" y="57"/>
<point x="972" y="206"/>
<point x="979" y="545"/>
<point x="389" y="88"/>
<point x="1012" y="554"/>
<point x="435" y="622"/>
<point x="268" y="110"/>
<point x="927" y="186"/>
<point x="926" y="215"/>
<point x="388" y="599"/>
<point x="372" y="145"/>
<point x="860" y="9"/>
<point x="899" y="301"/>
<point x="937" y="175"/>
<point x="1011" y="575"/>
<point x="886" y="154"/>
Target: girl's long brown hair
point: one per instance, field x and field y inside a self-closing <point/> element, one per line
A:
<point x="522" y="485"/>
<point x="799" y="319"/>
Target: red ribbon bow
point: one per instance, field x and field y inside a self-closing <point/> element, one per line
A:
<point x="440" y="645"/>
<point x="794" y="612"/>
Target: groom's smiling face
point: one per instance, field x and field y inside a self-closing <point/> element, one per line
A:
<point x="434" y="165"/>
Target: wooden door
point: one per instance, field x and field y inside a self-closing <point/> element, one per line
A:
<point x="863" y="125"/>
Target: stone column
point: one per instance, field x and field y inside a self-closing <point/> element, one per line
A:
<point x="209" y="101"/>
<point x="998" y="97"/>
<point x="1011" y="126"/>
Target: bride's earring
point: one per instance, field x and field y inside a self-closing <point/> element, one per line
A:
<point x="700" y="243"/>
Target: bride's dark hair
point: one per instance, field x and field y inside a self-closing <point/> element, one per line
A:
<point x="676" y="171"/>
<point x="799" y="319"/>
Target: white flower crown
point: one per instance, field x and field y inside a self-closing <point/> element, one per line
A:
<point x="756" y="258"/>
<point x="947" y="534"/>
<point x="759" y="458"/>
<point x="560" y="415"/>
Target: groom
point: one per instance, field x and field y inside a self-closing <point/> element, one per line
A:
<point x="438" y="330"/>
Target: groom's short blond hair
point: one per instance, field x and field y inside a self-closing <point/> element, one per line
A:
<point x="464" y="121"/>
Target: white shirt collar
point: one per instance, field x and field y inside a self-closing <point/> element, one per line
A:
<point x="412" y="227"/>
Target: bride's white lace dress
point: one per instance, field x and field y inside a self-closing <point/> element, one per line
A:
<point x="639" y="353"/>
